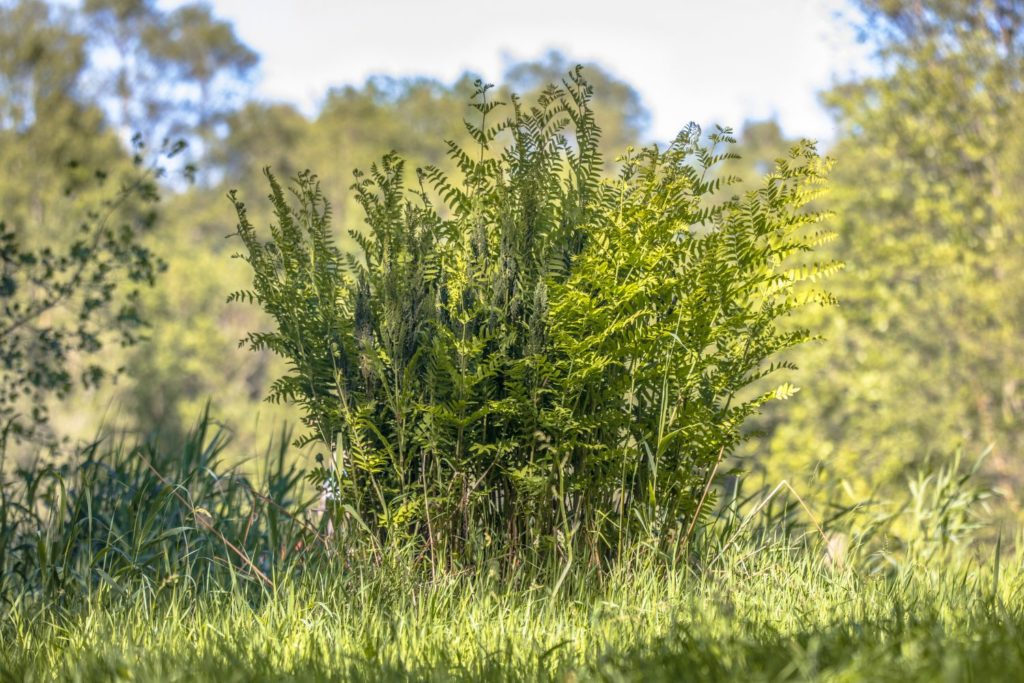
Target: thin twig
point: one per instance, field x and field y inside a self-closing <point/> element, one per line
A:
<point x="703" y="496"/>
<point x="760" y="506"/>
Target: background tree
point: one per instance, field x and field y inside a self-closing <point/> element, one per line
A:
<point x="65" y="118"/>
<point x="52" y="137"/>
<point x="925" y="353"/>
<point x="60" y="306"/>
<point x="173" y="74"/>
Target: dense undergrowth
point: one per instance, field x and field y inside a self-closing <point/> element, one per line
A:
<point x="145" y="564"/>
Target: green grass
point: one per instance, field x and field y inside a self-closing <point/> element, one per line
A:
<point x="156" y="564"/>
<point x="764" y="615"/>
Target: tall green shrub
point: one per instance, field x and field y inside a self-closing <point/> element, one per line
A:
<point x="531" y="353"/>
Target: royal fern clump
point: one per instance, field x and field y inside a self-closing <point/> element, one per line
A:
<point x="531" y="356"/>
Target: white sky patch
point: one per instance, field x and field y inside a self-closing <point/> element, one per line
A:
<point x="719" y="61"/>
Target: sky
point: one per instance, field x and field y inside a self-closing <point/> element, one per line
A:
<point x="722" y="61"/>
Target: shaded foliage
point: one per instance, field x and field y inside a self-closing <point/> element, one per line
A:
<point x="61" y="305"/>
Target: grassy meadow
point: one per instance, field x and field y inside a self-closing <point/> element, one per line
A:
<point x="767" y="614"/>
<point x="528" y="395"/>
<point x="168" y="577"/>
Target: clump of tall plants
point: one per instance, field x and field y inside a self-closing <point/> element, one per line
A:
<point x="527" y="356"/>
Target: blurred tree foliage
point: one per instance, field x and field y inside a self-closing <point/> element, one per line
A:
<point x="925" y="352"/>
<point x="76" y="207"/>
<point x="165" y="74"/>
<point x="53" y="138"/>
